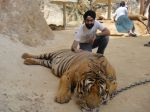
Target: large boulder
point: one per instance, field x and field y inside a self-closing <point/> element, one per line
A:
<point x="53" y="13"/>
<point x="22" y="20"/>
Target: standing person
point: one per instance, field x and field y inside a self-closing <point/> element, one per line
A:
<point x="122" y="22"/>
<point x="86" y="36"/>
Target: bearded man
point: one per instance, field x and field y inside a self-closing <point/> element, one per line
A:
<point x="87" y="37"/>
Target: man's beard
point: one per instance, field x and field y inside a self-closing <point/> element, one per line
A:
<point x="89" y="26"/>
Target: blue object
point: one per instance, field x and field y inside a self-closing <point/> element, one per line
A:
<point x="123" y="24"/>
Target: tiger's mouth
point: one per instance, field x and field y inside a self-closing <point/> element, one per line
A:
<point x="85" y="107"/>
<point x="90" y="110"/>
<point x="88" y="105"/>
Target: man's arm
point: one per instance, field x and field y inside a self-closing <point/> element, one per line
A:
<point x="74" y="46"/>
<point x="114" y="18"/>
<point x="104" y="32"/>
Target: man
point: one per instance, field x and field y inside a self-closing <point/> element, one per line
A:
<point x="86" y="36"/>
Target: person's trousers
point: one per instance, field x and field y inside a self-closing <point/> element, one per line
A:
<point x="100" y="42"/>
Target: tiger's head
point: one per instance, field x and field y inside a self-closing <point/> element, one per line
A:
<point x="91" y="91"/>
<point x="94" y="87"/>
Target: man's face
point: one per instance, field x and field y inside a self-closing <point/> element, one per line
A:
<point x="89" y="22"/>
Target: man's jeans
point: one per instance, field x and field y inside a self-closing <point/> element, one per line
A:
<point x="100" y="42"/>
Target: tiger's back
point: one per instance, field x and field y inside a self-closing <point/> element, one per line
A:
<point x="64" y="59"/>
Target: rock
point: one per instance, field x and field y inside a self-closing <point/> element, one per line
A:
<point x="23" y="20"/>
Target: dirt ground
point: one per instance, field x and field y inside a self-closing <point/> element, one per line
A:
<point x="32" y="88"/>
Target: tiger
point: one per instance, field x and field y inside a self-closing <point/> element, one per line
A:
<point x="88" y="76"/>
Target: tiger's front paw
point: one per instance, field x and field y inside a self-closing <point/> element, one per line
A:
<point x="62" y="98"/>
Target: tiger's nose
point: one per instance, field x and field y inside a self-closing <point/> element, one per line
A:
<point x="80" y="94"/>
<point x="93" y="104"/>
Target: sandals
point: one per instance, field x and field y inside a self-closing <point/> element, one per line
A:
<point x="132" y="34"/>
<point x="147" y="45"/>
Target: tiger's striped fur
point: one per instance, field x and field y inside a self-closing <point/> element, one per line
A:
<point x="90" y="75"/>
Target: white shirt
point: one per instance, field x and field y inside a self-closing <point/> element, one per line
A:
<point x="120" y="11"/>
<point x="83" y="34"/>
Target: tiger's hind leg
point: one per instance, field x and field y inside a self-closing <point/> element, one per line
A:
<point x="46" y="56"/>
<point x="43" y="59"/>
<point x="26" y="55"/>
<point x="31" y="61"/>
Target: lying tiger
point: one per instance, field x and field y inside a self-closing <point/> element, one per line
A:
<point x="89" y="76"/>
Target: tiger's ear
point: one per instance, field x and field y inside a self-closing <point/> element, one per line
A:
<point x="78" y="76"/>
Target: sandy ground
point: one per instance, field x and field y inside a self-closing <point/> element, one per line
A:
<point x="32" y="88"/>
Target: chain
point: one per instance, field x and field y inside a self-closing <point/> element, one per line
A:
<point x="119" y="91"/>
<point x="131" y="86"/>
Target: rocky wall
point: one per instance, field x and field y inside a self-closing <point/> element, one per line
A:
<point x="22" y="20"/>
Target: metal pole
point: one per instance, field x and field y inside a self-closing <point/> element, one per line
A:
<point x="90" y="4"/>
<point x="64" y="15"/>
<point x="109" y="9"/>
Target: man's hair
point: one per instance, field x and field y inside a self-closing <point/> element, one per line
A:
<point x="89" y="13"/>
<point x="122" y="3"/>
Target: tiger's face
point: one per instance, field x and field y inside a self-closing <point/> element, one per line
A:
<point x="91" y="91"/>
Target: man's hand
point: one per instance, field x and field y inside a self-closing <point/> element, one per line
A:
<point x="104" y="32"/>
<point x="78" y="50"/>
<point x="74" y="47"/>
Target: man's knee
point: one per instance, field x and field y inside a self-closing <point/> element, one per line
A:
<point x="86" y="47"/>
<point x="103" y="44"/>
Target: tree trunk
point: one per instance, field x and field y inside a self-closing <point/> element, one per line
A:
<point x="109" y="9"/>
<point x="146" y="6"/>
<point x="142" y="7"/>
<point x="149" y="18"/>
